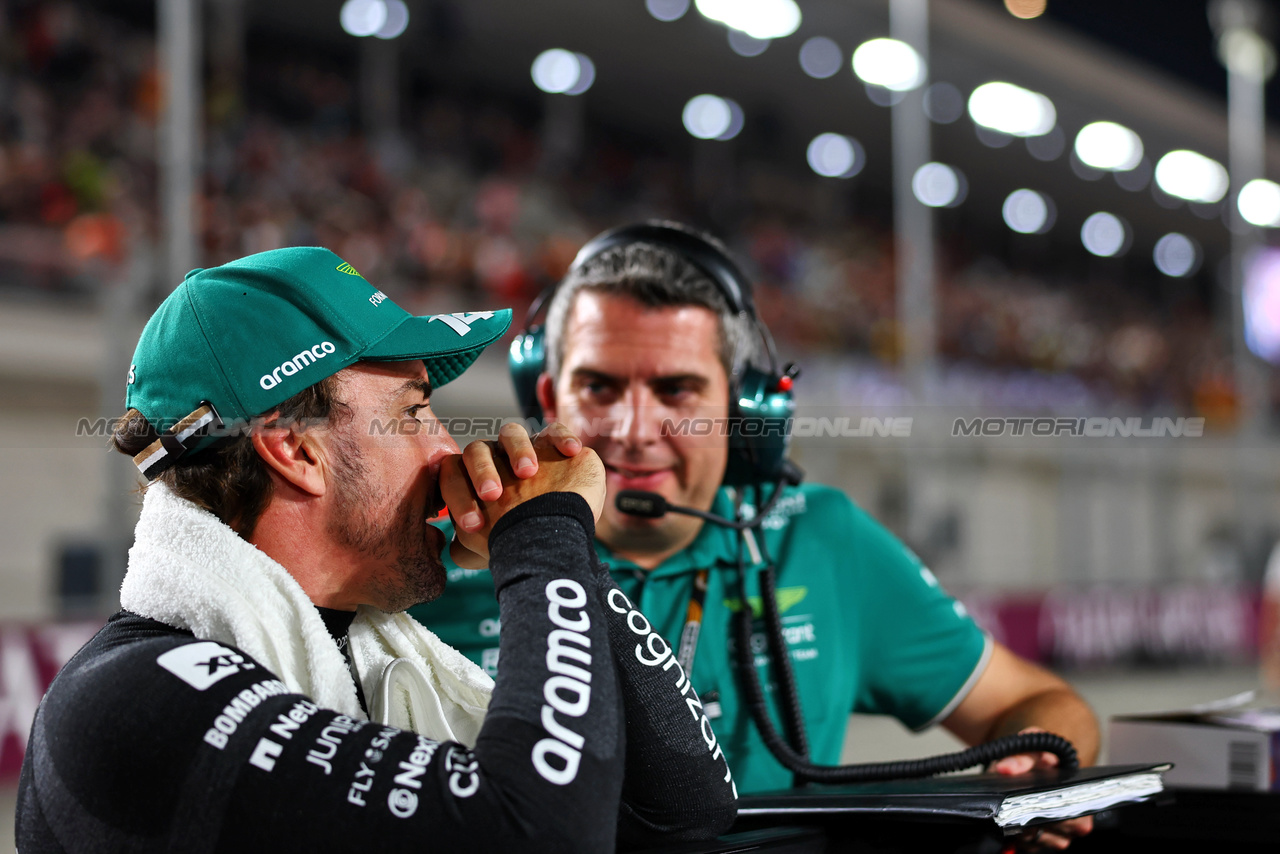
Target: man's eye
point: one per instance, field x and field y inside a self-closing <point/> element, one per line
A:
<point x="413" y="411"/>
<point x="674" y="391"/>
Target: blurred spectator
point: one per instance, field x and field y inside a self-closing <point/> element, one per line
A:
<point x="457" y="213"/>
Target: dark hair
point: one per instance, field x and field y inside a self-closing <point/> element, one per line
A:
<point x="229" y="479"/>
<point x="656" y="277"/>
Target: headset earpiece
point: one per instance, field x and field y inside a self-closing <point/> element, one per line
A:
<point x="527" y="361"/>
<point x="761" y="407"/>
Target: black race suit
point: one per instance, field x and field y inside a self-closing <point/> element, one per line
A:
<point x="153" y="740"/>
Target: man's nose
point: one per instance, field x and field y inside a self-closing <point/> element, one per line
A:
<point x="640" y="417"/>
<point x="442" y="438"/>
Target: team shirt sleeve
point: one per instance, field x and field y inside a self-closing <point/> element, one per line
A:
<point x="173" y="743"/>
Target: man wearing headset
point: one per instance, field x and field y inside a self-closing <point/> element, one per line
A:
<point x="652" y="329"/>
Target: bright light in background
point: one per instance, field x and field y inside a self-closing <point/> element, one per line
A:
<point x="835" y="155"/>
<point x="363" y="17"/>
<point x="745" y="45"/>
<point x="1109" y="146"/>
<point x="943" y="103"/>
<point x="1011" y="109"/>
<point x="1104" y="235"/>
<point x="761" y="19"/>
<point x="713" y="117"/>
<point x="1047" y="146"/>
<point x="560" y="71"/>
<point x="1176" y="255"/>
<point x="1259" y="203"/>
<point x="883" y="97"/>
<point x="555" y="70"/>
<point x="1136" y="178"/>
<point x="667" y="10"/>
<point x="586" y="75"/>
<point x="397" y="20"/>
<point x="1262" y="305"/>
<point x="736" y="120"/>
<point x="1028" y="212"/>
<point x="820" y="57"/>
<point x="1025" y="8"/>
<point x="938" y="185"/>
<point x="890" y="64"/>
<point x="1191" y="176"/>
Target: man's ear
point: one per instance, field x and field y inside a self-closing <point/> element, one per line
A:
<point x="294" y="456"/>
<point x="546" y="391"/>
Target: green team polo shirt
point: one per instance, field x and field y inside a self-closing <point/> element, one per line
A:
<point x="867" y="625"/>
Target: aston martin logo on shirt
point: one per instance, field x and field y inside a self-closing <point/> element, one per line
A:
<point x="788" y="598"/>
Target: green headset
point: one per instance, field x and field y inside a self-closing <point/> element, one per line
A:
<point x="761" y="403"/>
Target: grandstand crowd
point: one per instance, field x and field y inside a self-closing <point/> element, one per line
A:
<point x="460" y="209"/>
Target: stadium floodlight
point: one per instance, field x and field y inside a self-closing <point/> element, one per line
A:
<point x="1011" y="109"/>
<point x="943" y="103"/>
<point x="1259" y="203"/>
<point x="938" y="185"/>
<point x="586" y="75"/>
<point x="397" y="20"/>
<point x="820" y="57"/>
<point x="667" y="10"/>
<point x="1176" y="255"/>
<point x="1262" y="304"/>
<point x="1105" y="235"/>
<point x="713" y="117"/>
<point x="1108" y="146"/>
<point x="736" y="121"/>
<point x="1028" y="212"/>
<point x="1025" y="9"/>
<point x="889" y="64"/>
<point x="745" y="45"/>
<point x="362" y="18"/>
<point x="1191" y="176"/>
<point x="760" y="19"/>
<point x="834" y="155"/>
<point x="558" y="71"/>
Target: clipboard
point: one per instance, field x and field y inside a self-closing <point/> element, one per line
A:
<point x="1010" y="803"/>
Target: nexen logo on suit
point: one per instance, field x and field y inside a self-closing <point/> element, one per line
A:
<point x="297" y="363"/>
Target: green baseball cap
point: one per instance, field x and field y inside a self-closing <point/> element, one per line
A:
<point x="232" y="342"/>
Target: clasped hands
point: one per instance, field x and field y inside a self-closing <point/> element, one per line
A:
<point x="488" y="479"/>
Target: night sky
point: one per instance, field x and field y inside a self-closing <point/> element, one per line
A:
<point x="1172" y="34"/>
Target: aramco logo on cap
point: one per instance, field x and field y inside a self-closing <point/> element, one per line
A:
<point x="291" y="366"/>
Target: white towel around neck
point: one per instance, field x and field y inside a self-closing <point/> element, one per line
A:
<point x="189" y="570"/>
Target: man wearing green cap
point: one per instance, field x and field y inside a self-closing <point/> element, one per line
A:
<point x="261" y="691"/>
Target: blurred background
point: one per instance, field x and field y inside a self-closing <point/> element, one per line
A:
<point x="1020" y="249"/>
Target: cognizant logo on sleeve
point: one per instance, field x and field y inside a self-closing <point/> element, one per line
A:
<point x="202" y="664"/>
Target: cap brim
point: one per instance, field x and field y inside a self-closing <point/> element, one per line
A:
<point x="448" y="343"/>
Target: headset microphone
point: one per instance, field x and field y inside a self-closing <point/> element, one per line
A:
<point x="651" y="505"/>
